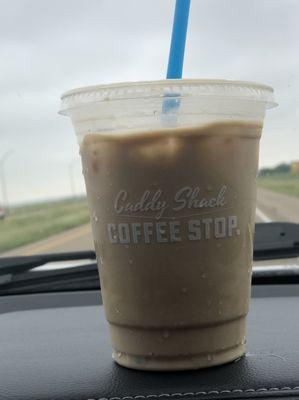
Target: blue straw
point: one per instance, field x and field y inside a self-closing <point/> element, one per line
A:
<point x="178" y="39"/>
<point x="171" y="101"/>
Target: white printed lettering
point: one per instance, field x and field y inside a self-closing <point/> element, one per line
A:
<point x="124" y="233"/>
<point x="160" y="231"/>
<point x="136" y="230"/>
<point x="220" y="198"/>
<point x="147" y="202"/>
<point x="220" y="228"/>
<point x="121" y="196"/>
<point x="165" y="232"/>
<point x="207" y="227"/>
<point x="194" y="229"/>
<point x="181" y="201"/>
<point x="147" y="231"/>
<point x="112" y="233"/>
<point x="174" y="230"/>
<point x="190" y="198"/>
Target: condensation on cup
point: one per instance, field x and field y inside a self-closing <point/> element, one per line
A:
<point x="172" y="192"/>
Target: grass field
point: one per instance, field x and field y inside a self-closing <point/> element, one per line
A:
<point x="28" y="224"/>
<point x="286" y="183"/>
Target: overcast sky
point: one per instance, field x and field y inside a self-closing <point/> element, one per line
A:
<point x="49" y="46"/>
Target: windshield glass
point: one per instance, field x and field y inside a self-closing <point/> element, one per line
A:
<point x="49" y="47"/>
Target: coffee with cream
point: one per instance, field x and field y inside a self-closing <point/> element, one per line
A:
<point x="173" y="217"/>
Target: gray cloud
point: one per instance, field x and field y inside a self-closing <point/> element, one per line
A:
<point x="47" y="47"/>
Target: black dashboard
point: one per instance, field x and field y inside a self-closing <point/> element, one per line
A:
<point x="56" y="346"/>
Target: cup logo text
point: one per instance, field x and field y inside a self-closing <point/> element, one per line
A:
<point x="185" y="198"/>
<point x="189" y="215"/>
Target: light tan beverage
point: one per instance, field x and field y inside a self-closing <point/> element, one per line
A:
<point x="173" y="211"/>
<point x="173" y="218"/>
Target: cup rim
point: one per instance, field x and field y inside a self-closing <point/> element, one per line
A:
<point x="220" y="88"/>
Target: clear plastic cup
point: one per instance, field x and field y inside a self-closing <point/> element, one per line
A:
<point x="170" y="170"/>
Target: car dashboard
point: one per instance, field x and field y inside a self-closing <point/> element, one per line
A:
<point x="56" y="346"/>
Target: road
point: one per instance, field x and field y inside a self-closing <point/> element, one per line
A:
<point x="76" y="239"/>
<point x="273" y="206"/>
<point x="270" y="207"/>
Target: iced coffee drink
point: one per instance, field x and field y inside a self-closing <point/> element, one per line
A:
<point x="172" y="210"/>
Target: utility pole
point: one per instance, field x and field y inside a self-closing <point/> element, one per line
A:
<point x="3" y="180"/>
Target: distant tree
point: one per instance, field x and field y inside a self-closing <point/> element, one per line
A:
<point x="282" y="168"/>
<point x="279" y="169"/>
<point x="265" y="171"/>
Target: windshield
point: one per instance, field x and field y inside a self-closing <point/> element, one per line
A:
<point x="51" y="46"/>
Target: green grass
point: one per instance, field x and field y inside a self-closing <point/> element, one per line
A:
<point x="30" y="223"/>
<point x="286" y="183"/>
